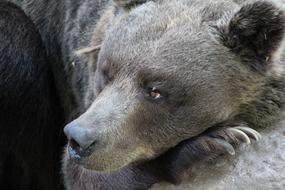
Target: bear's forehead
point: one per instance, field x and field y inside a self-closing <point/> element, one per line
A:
<point x="165" y="14"/>
<point x="180" y="61"/>
<point x="165" y="29"/>
<point x="168" y="38"/>
<point x="180" y="47"/>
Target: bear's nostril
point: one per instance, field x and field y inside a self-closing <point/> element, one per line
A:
<point x="77" y="152"/>
<point x="74" y="145"/>
<point x="74" y="150"/>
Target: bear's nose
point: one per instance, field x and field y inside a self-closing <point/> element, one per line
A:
<point x="80" y="138"/>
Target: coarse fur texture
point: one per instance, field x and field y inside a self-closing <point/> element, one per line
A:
<point x="30" y="114"/>
<point x="209" y="64"/>
<point x="212" y="71"/>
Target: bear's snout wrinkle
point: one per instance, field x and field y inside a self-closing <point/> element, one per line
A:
<point x="81" y="140"/>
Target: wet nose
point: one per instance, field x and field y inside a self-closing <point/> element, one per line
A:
<point x="79" y="136"/>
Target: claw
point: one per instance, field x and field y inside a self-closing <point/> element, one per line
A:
<point x="226" y="146"/>
<point x="240" y="134"/>
<point x="250" y="132"/>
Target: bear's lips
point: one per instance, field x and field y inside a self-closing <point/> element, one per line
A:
<point x="76" y="152"/>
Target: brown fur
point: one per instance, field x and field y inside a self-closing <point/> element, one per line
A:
<point x="212" y="72"/>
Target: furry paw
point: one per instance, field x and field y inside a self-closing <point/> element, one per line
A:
<point x="207" y="146"/>
<point x="228" y="138"/>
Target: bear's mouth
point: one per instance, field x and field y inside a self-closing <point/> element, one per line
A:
<point x="76" y="152"/>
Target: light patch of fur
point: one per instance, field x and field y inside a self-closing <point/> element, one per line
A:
<point x="277" y="67"/>
<point x="87" y="50"/>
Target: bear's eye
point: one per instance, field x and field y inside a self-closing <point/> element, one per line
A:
<point x="152" y="93"/>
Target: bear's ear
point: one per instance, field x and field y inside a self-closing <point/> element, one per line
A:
<point x="256" y="33"/>
<point x="128" y="4"/>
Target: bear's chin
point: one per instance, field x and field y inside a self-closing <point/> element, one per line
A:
<point x="104" y="166"/>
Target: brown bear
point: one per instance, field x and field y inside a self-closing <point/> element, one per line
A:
<point x="158" y="73"/>
<point x="31" y="118"/>
<point x="26" y="52"/>
<point x="168" y="71"/>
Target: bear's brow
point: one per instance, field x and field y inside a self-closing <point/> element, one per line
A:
<point x="154" y="76"/>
